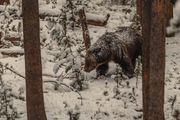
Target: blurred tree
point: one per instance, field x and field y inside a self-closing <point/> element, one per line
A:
<point x="2" y="2"/>
<point x="153" y="58"/>
<point x="34" y="89"/>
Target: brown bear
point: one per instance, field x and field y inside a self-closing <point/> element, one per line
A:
<point x="122" y="47"/>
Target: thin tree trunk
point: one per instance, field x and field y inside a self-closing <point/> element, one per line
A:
<point x="34" y="89"/>
<point x="153" y="28"/>
<point x="84" y="25"/>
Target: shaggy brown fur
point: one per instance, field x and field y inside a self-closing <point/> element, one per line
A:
<point x="122" y="47"/>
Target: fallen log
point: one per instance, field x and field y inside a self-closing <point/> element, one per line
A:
<point x="13" y="52"/>
<point x="16" y="51"/>
<point x="97" y="20"/>
<point x="14" y="38"/>
<point x="43" y="11"/>
<point x="92" y="19"/>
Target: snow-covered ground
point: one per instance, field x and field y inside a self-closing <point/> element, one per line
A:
<point x="101" y="100"/>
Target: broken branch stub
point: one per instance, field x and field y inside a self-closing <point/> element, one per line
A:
<point x="85" y="30"/>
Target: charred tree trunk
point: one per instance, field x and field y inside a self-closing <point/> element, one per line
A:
<point x="153" y="28"/>
<point x="84" y="25"/>
<point x="34" y="89"/>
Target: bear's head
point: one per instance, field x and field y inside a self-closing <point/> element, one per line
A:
<point x="95" y="56"/>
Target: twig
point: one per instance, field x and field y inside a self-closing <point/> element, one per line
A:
<point x="49" y="75"/>
<point x="46" y="81"/>
<point x="173" y="102"/>
<point x="22" y="76"/>
<point x="14" y="71"/>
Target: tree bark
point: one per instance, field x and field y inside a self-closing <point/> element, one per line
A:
<point x="153" y="28"/>
<point x="84" y="25"/>
<point x="34" y="89"/>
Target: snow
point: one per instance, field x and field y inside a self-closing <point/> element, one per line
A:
<point x="99" y="100"/>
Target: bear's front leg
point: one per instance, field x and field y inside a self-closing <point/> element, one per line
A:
<point x="127" y="67"/>
<point x="102" y="69"/>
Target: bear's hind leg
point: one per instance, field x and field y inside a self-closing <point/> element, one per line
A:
<point x="102" y="69"/>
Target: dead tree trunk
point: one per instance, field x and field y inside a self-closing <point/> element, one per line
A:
<point x="34" y="89"/>
<point x="153" y="28"/>
<point x="83" y="21"/>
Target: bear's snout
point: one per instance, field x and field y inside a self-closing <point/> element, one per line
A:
<point x="88" y="69"/>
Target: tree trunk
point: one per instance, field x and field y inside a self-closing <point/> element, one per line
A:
<point x="153" y="28"/>
<point x="83" y="21"/>
<point x="34" y="89"/>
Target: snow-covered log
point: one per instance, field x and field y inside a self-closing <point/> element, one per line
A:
<point x="14" y="51"/>
<point x="97" y="20"/>
<point x="43" y="11"/>
<point x="92" y="19"/>
<point x="14" y="38"/>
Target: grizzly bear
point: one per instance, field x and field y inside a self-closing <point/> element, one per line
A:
<point x="122" y="47"/>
